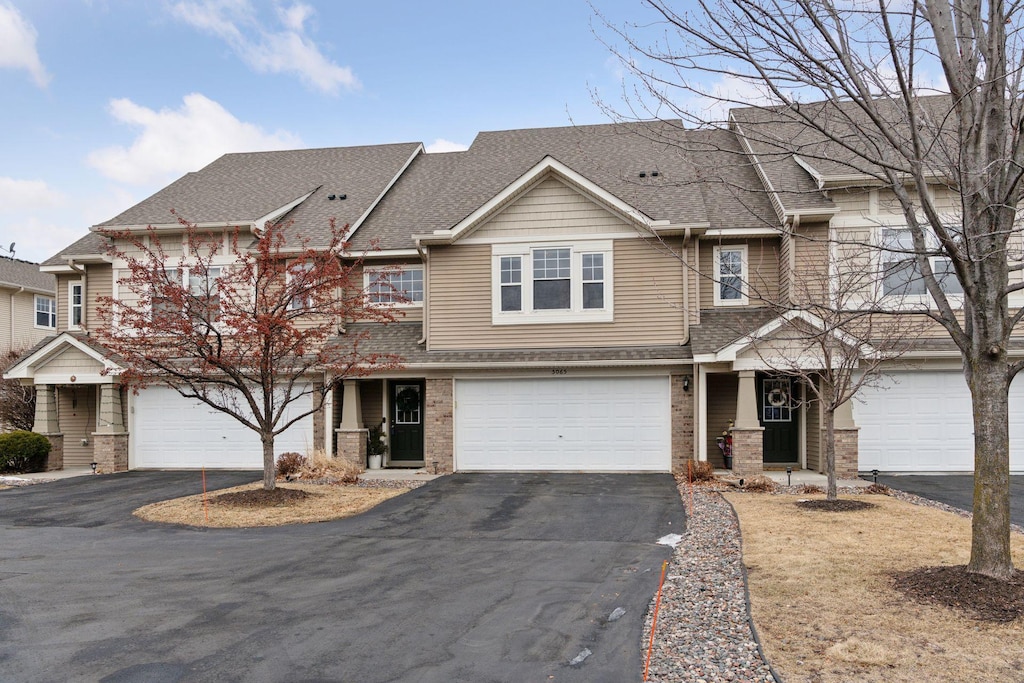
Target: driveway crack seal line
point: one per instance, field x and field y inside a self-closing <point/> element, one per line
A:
<point x="746" y="598"/>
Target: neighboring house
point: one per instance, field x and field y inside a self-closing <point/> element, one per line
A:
<point x="28" y="305"/>
<point x="584" y="299"/>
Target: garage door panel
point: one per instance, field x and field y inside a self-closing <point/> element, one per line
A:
<point x="612" y="424"/>
<point x="170" y="431"/>
<point x="923" y="422"/>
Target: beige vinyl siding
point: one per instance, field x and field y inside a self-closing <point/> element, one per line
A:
<point x="76" y="411"/>
<point x="551" y="206"/>
<point x="722" y="390"/>
<point x="693" y="283"/>
<point x="786" y="249"/>
<point x="647" y="290"/>
<point x="19" y="317"/>
<point x="99" y="283"/>
<point x="371" y="399"/>
<point x="810" y="244"/>
<point x="762" y="269"/>
<point x="814" y="447"/>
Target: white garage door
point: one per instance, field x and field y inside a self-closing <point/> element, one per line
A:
<point x="922" y="422"/>
<point x="170" y="431"/>
<point x="563" y="423"/>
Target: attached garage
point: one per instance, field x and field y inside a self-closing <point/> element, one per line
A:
<point x="563" y="423"/>
<point x="170" y="431"/>
<point x="922" y="422"/>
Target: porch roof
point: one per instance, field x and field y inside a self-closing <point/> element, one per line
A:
<point x="402" y="338"/>
<point x="719" y="328"/>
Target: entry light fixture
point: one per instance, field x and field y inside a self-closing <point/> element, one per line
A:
<point x="686" y="382"/>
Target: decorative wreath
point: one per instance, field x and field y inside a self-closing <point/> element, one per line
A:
<point x="777" y="398"/>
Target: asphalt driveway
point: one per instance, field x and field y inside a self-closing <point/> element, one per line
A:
<point x="469" y="578"/>
<point x="955" y="489"/>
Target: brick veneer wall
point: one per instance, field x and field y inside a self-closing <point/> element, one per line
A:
<point x="55" y="458"/>
<point x="352" y="446"/>
<point x="682" y="423"/>
<point x="847" y="446"/>
<point x="439" y="436"/>
<point x="319" y="425"/>
<point x="747" y="452"/>
<point x="110" y="452"/>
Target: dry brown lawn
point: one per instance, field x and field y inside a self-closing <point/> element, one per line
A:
<point x="324" y="502"/>
<point x="824" y="606"/>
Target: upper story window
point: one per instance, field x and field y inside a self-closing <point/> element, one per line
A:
<point x="396" y="288"/>
<point x="202" y="285"/>
<point x="557" y="283"/>
<point x="76" y="303"/>
<point x="302" y="298"/>
<point x="901" y="275"/>
<point x="730" y="274"/>
<point x="46" y="312"/>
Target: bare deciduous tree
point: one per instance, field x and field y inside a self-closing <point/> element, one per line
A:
<point x="844" y="87"/>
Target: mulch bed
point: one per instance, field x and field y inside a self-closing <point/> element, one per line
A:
<point x="840" y="505"/>
<point x="260" y="498"/>
<point x="980" y="597"/>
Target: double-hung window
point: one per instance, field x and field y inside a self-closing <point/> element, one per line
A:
<point x="202" y="286"/>
<point x="541" y="283"/>
<point x="298" y="278"/>
<point x="46" y="312"/>
<point x="163" y="307"/>
<point x="76" y="303"/>
<point x="901" y="275"/>
<point x="730" y="275"/>
<point x="395" y="288"/>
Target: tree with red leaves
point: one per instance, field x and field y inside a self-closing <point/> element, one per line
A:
<point x="251" y="326"/>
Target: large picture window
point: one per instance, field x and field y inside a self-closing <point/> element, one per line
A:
<point x="902" y="277"/>
<point x="537" y="283"/>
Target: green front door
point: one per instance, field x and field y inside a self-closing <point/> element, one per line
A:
<point x="778" y="411"/>
<point x="406" y="399"/>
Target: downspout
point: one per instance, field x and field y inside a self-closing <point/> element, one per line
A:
<point x="794" y="225"/>
<point x="426" y="291"/>
<point x="686" y="288"/>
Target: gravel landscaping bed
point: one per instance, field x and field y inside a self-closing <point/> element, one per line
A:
<point x="703" y="631"/>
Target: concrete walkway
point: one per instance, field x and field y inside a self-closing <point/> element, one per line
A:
<point x="799" y="478"/>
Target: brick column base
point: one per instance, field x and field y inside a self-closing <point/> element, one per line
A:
<point x="439" y="427"/>
<point x="55" y="458"/>
<point x="352" y="446"/>
<point x="747" y="452"/>
<point x="110" y="452"/>
<point x="847" y="452"/>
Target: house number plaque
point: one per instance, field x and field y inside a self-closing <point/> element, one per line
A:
<point x="559" y="371"/>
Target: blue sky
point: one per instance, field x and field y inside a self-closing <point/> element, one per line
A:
<point x="106" y="101"/>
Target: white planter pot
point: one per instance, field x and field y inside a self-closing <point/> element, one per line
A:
<point x="375" y="461"/>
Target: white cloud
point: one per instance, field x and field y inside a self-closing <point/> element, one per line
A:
<point x="27" y="194"/>
<point x="175" y="141"/>
<point x="18" y="44"/>
<point x="289" y="50"/>
<point x="442" y="145"/>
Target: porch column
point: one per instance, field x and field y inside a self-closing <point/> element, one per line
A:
<point x="351" y="434"/>
<point x="110" y="440"/>
<point x="439" y="426"/>
<point x="45" y="423"/>
<point x="747" y="432"/>
<point x="847" y="442"/>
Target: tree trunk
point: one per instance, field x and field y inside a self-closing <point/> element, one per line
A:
<point x="989" y="382"/>
<point x="830" y="453"/>
<point x="269" y="466"/>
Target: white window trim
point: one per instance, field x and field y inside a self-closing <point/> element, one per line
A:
<point x="71" y="303"/>
<point x="744" y="275"/>
<point x="576" y="313"/>
<point x="370" y="275"/>
<point x="35" y="312"/>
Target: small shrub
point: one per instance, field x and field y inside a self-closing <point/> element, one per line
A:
<point x="760" y="484"/>
<point x="810" y="488"/>
<point x="319" y="465"/>
<point x="880" y="489"/>
<point x="23" y="451"/>
<point x="702" y="470"/>
<point x="290" y="463"/>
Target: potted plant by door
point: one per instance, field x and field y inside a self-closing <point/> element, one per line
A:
<point x="375" y="447"/>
